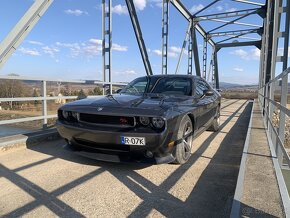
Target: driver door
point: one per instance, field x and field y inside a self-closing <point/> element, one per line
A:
<point x="204" y="104"/>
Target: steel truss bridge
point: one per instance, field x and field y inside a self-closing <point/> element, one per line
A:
<point x="271" y="37"/>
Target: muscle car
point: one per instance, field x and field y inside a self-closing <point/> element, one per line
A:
<point x="153" y="118"/>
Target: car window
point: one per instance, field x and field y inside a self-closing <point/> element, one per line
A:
<point x="173" y="86"/>
<point x="201" y="86"/>
<point x="136" y="87"/>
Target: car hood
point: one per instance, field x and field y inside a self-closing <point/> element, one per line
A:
<point x="133" y="103"/>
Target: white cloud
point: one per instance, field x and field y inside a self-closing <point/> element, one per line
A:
<point x="231" y="10"/>
<point x="120" y="9"/>
<point x="220" y="8"/>
<point x="175" y="49"/>
<point x="76" y="12"/>
<point x="126" y="72"/>
<point x="35" y="43"/>
<point x="92" y="47"/>
<point x="157" y="52"/>
<point x="253" y="54"/>
<point x="196" y="8"/>
<point x="96" y="41"/>
<point x="140" y="4"/>
<point x="158" y="3"/>
<point x="173" y="52"/>
<point x="50" y="51"/>
<point x="75" y="48"/>
<point x="29" y="51"/>
<point x="238" y="69"/>
<point x="117" y="47"/>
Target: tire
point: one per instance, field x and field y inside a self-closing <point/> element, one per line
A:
<point x="216" y="122"/>
<point x="183" y="149"/>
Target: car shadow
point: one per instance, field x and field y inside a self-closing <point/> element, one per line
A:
<point x="211" y="196"/>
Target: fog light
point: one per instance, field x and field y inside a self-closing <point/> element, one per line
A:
<point x="158" y="122"/>
<point x="65" y="114"/>
<point x="149" y="154"/>
<point x="144" y="121"/>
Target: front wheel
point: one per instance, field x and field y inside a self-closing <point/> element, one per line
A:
<point x="216" y="122"/>
<point x="183" y="149"/>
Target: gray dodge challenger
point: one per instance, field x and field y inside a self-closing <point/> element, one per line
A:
<point x="152" y="119"/>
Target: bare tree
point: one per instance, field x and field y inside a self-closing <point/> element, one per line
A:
<point x="13" y="88"/>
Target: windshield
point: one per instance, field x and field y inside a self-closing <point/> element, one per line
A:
<point x="173" y="86"/>
<point x="136" y="87"/>
<point x="159" y="86"/>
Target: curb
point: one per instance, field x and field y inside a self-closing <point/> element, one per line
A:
<point x="21" y="141"/>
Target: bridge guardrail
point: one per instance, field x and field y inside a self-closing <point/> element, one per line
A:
<point x="269" y="105"/>
<point x="44" y="98"/>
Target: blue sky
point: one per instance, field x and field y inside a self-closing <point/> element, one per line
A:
<point x="65" y="43"/>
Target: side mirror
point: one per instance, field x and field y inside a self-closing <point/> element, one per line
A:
<point x="208" y="92"/>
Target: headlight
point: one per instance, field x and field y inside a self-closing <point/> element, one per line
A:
<point x="144" y="121"/>
<point x="158" y="122"/>
<point x="65" y="114"/>
<point x="76" y="115"/>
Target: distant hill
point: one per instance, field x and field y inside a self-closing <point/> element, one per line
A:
<point x="225" y="85"/>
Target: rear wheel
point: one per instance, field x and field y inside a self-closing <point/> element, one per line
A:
<point x="216" y="122"/>
<point x="183" y="149"/>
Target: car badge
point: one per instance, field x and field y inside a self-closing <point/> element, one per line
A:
<point x="123" y="120"/>
<point x="99" y="109"/>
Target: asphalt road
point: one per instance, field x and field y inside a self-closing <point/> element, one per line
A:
<point x="47" y="181"/>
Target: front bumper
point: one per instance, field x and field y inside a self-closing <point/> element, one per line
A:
<point x="103" y="144"/>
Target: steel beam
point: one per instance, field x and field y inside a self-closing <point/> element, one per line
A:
<point x="246" y="37"/>
<point x="195" y="51"/>
<point x="276" y="28"/>
<point x="186" y="38"/>
<point x="216" y="69"/>
<point x="237" y="23"/>
<point x="225" y="33"/>
<point x="226" y="14"/>
<point x="286" y="35"/>
<point x="204" y="58"/>
<point x="22" y="29"/>
<point x="190" y="56"/>
<point x="239" y="18"/>
<point x="233" y="37"/>
<point x="249" y="2"/>
<point x="211" y="67"/>
<point x="139" y="37"/>
<point x="268" y="39"/>
<point x="165" y="28"/>
<point x="107" y="42"/>
<point x="239" y="44"/>
<point x="183" y="10"/>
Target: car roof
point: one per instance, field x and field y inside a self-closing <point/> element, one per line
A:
<point x="174" y="75"/>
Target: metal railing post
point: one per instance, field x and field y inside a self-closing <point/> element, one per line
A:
<point x="44" y="105"/>
<point x="282" y="117"/>
<point x="266" y="105"/>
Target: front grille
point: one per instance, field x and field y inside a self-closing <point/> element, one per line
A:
<point x="108" y="120"/>
<point x="98" y="146"/>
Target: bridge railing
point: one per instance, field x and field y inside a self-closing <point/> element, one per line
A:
<point x="44" y="98"/>
<point x="273" y="98"/>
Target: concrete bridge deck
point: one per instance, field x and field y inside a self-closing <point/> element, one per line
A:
<point x="46" y="180"/>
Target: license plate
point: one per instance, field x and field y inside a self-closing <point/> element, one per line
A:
<point x="132" y="140"/>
